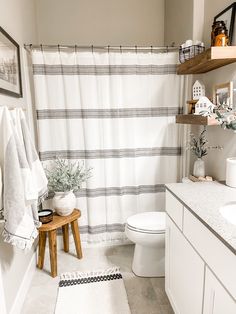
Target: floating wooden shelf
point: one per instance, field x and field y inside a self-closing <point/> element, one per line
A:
<point x="195" y="119"/>
<point x="212" y="58"/>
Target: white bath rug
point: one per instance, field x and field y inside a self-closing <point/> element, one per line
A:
<point x="93" y="292"/>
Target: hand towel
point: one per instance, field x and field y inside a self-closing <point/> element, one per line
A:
<point x="1" y="191"/>
<point x="36" y="180"/>
<point x="20" y="212"/>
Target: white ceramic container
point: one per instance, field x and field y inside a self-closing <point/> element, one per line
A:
<point x="64" y="203"/>
<point x="199" y="168"/>
<point x="231" y="172"/>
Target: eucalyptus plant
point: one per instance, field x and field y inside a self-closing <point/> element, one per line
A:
<point x="64" y="175"/>
<point x="197" y="145"/>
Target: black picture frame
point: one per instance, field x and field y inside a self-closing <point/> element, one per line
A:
<point x="228" y="16"/>
<point x="10" y="69"/>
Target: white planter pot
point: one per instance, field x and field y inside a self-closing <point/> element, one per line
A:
<point x="64" y="203"/>
<point x="199" y="168"/>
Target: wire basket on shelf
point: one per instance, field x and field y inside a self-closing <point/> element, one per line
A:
<point x="189" y="52"/>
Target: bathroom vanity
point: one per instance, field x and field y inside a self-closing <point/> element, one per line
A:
<point x="201" y="248"/>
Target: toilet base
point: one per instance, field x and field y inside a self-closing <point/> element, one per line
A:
<point x="148" y="261"/>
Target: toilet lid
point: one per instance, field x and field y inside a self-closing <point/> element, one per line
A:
<point x="149" y="221"/>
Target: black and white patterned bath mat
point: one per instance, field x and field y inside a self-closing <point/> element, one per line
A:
<point x="92" y="292"/>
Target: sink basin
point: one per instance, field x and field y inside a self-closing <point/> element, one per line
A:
<point x="228" y="211"/>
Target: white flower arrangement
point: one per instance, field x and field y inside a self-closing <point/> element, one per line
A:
<point x="227" y="119"/>
<point x="66" y="176"/>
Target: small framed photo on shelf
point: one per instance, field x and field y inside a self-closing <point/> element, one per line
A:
<point x="228" y="17"/>
<point x="223" y="96"/>
<point x="10" y="72"/>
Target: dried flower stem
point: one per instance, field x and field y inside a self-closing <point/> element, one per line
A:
<point x="197" y="145"/>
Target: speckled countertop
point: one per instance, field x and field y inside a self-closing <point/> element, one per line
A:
<point x="204" y="199"/>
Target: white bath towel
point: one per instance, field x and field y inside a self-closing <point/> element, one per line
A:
<point x="1" y="191"/>
<point x="18" y="160"/>
<point x="36" y="181"/>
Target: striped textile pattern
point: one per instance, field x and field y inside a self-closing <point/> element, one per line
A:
<point x="110" y="153"/>
<point x="118" y="191"/>
<point x="62" y="69"/>
<point x="116" y="113"/>
<point x="107" y="113"/>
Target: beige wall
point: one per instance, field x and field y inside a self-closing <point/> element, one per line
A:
<point x="184" y="19"/>
<point x="215" y="161"/>
<point x="178" y="21"/>
<point x="18" y="19"/>
<point x="198" y="19"/>
<point x="103" y="22"/>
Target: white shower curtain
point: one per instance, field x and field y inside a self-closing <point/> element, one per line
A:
<point x="116" y="111"/>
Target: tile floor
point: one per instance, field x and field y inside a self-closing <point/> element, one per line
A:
<point x="145" y="295"/>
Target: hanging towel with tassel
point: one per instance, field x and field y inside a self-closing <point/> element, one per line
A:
<point x="37" y="182"/>
<point x="18" y="160"/>
<point x="1" y="191"/>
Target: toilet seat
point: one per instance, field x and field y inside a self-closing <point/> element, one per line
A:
<point x="147" y="222"/>
<point x="146" y="231"/>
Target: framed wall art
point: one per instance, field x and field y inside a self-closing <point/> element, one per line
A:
<point x="10" y="72"/>
<point x="228" y="16"/>
<point x="223" y="95"/>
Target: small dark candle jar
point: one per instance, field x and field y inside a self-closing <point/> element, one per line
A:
<point x="45" y="216"/>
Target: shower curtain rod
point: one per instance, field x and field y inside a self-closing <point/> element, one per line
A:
<point x="29" y="47"/>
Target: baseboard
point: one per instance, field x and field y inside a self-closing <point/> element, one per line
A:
<point x="24" y="287"/>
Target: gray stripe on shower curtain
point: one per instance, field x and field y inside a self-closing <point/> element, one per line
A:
<point x="62" y="69"/>
<point x="107" y="113"/>
<point x="100" y="228"/>
<point x="110" y="153"/>
<point x="103" y="228"/>
<point x="118" y="191"/>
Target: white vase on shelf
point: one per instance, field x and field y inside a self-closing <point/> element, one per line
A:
<point x="199" y="168"/>
<point x="64" y="203"/>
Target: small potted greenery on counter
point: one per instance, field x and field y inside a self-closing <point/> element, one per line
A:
<point x="198" y="147"/>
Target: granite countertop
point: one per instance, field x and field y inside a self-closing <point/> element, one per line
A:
<point x="204" y="200"/>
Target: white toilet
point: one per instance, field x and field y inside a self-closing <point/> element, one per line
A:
<point x="147" y="231"/>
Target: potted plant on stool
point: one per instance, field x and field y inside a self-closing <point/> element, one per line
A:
<point x="64" y="178"/>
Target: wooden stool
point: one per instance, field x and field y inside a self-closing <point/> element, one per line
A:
<point x="51" y="228"/>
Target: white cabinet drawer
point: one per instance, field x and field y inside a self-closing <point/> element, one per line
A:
<point x="174" y="209"/>
<point x="216" y="255"/>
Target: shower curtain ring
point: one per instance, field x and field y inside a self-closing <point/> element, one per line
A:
<point x="120" y="49"/>
<point x="58" y="47"/>
<point x="108" y="49"/>
<point x="75" y="48"/>
<point x="41" y="46"/>
<point x="92" y="48"/>
<point x="151" y="49"/>
<point x="136" y="49"/>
